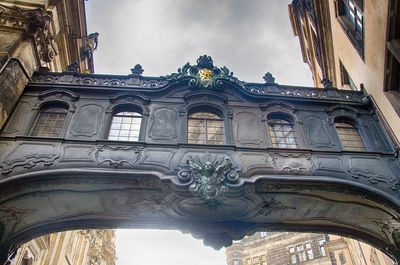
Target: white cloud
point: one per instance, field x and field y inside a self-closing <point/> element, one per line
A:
<point x="249" y="37"/>
<point x="144" y="247"/>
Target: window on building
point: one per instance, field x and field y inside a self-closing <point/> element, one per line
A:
<point x="347" y="82"/>
<point x="310" y="253"/>
<point x="125" y="126"/>
<point x="256" y="260"/>
<point x="351" y="17"/>
<point x="205" y="128"/>
<point x="282" y="133"/>
<point x="293" y="259"/>
<point x="349" y="136"/>
<point x="342" y="258"/>
<point x="392" y="80"/>
<point x="321" y="244"/>
<point x="301" y="254"/>
<point x="50" y="121"/>
<point x="263" y="260"/>
<point x="248" y="261"/>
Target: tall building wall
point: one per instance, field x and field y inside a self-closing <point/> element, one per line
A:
<point x="39" y="34"/>
<point x="271" y="248"/>
<point x="264" y="248"/>
<point x="365" y="50"/>
<point x="76" y="247"/>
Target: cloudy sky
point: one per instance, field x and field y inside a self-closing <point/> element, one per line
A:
<point x="250" y="37"/>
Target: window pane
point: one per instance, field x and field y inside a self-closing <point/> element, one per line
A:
<point x="205" y="128"/>
<point x="349" y="137"/>
<point x="50" y="122"/>
<point x="125" y="126"/>
<point x="282" y="133"/>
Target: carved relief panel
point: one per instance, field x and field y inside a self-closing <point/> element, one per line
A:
<point x="163" y="124"/>
<point x="317" y="133"/>
<point x="20" y="117"/>
<point x="248" y="129"/>
<point x="87" y="121"/>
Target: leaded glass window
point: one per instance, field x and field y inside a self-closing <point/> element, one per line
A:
<point x="349" y="136"/>
<point x="282" y="133"/>
<point x="205" y="128"/>
<point x="125" y="126"/>
<point x="50" y="121"/>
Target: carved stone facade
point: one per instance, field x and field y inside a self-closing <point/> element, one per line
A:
<point x="39" y="34"/>
<point x="219" y="192"/>
<point x="83" y="247"/>
<point x="265" y="248"/>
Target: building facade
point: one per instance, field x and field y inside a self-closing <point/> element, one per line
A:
<point x="276" y="248"/>
<point x="75" y="247"/>
<point x="355" y="45"/>
<point x="197" y="150"/>
<point x="40" y="34"/>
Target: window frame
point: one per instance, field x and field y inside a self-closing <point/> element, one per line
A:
<point x="355" y="125"/>
<point x="346" y="80"/>
<point x="392" y="60"/>
<point x="350" y="27"/>
<point x="211" y="111"/>
<point x="290" y="120"/>
<point x="127" y="108"/>
<point x="47" y="105"/>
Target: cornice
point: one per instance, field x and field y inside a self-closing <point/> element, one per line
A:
<point x="200" y="77"/>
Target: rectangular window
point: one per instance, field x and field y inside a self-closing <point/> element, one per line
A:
<point x="347" y="82"/>
<point x="293" y="259"/>
<point x="392" y="79"/>
<point x="351" y="17"/>
<point x="50" y="122"/>
<point x="321" y="243"/>
<point x="349" y="137"/>
<point x="310" y="254"/>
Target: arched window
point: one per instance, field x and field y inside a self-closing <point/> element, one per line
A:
<point x="50" y="121"/>
<point x="281" y="131"/>
<point x="205" y="128"/>
<point x="125" y="126"/>
<point x="349" y="136"/>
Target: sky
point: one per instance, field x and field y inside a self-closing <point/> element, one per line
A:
<point x="250" y="37"/>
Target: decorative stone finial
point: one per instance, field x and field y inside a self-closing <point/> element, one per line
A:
<point x="204" y="75"/>
<point x="205" y="61"/>
<point x="137" y="70"/>
<point x="326" y="83"/>
<point x="269" y="78"/>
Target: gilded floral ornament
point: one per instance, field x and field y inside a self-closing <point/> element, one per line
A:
<point x="208" y="179"/>
<point x="204" y="75"/>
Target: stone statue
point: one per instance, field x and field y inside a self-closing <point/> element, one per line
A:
<point x="91" y="44"/>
